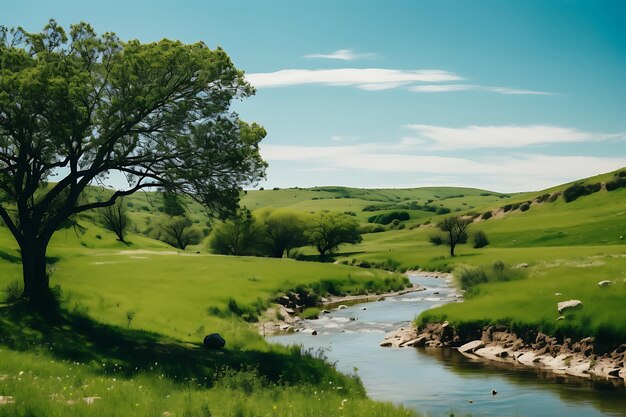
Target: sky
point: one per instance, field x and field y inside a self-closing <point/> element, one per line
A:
<point x="504" y="96"/>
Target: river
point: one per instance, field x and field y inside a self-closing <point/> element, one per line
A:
<point x="439" y="382"/>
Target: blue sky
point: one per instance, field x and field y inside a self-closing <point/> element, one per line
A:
<point x="507" y="96"/>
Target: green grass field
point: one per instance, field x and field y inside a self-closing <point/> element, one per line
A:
<point x="134" y="314"/>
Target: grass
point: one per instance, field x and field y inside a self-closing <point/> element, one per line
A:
<point x="135" y="314"/>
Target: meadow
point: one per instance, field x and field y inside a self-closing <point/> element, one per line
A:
<point x="134" y="314"/>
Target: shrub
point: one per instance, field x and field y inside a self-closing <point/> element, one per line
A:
<point x="311" y="313"/>
<point x="480" y="239"/>
<point x="524" y="207"/>
<point x="443" y="210"/>
<point x="13" y="291"/>
<point x="486" y="215"/>
<point x="554" y="197"/>
<point x="470" y="276"/>
<point x="389" y="217"/>
<point x="578" y="190"/>
<point x="435" y="239"/>
<point x="618" y="181"/>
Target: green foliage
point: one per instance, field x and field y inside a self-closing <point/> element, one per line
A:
<point x="310" y="313"/>
<point x="486" y="215"/>
<point x="578" y="190"/>
<point x="454" y="230"/>
<point x="158" y="113"/>
<point x="330" y="230"/>
<point x="172" y="205"/>
<point x="239" y="235"/>
<point x="524" y="206"/>
<point x="387" y="218"/>
<point x="443" y="210"/>
<point x="180" y="233"/>
<point x="13" y="291"/>
<point x="618" y="181"/>
<point x="480" y="239"/>
<point x="284" y="230"/>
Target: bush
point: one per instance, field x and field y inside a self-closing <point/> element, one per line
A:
<point x="311" y="313"/>
<point x="480" y="239"/>
<point x="470" y="276"/>
<point x="486" y="215"/>
<point x="579" y="190"/>
<point x="554" y="197"/>
<point x="618" y="181"/>
<point x="443" y="210"/>
<point x="13" y="291"/>
<point x="435" y="239"/>
<point x="389" y="217"/>
<point x="524" y="207"/>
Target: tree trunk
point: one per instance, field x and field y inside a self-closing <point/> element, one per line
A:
<point x="36" y="289"/>
<point x="452" y="250"/>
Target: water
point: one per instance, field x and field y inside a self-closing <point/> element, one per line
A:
<point x="440" y="381"/>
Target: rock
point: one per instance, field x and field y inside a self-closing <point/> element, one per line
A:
<point x="494" y="392"/>
<point x="560" y="318"/>
<point x="522" y="265"/>
<point x="614" y="372"/>
<point x="472" y="346"/>
<point x="563" y="305"/>
<point x="214" y="341"/>
<point x="91" y="400"/>
<point x="342" y="307"/>
<point x="289" y="310"/>
<point x="385" y="343"/>
<point x="353" y="319"/>
<point x="325" y="312"/>
<point x="558" y="294"/>
<point x="381" y="299"/>
<point x="417" y="342"/>
<point x="363" y="308"/>
<point x="604" y="283"/>
<point x="6" y="399"/>
<point x="314" y="333"/>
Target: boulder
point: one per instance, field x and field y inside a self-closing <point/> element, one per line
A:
<point x="417" y="342"/>
<point x="214" y="341"/>
<point x="342" y="307"/>
<point x="472" y="346"/>
<point x="563" y="305"/>
<point x="604" y="283"/>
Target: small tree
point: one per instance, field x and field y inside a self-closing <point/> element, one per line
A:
<point x="240" y="235"/>
<point x="115" y="218"/>
<point x="283" y="229"/>
<point x="454" y="231"/>
<point x="179" y="232"/>
<point x="329" y="230"/>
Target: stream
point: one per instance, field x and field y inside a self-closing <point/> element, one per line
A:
<point x="438" y="382"/>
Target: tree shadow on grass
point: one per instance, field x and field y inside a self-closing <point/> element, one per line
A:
<point x="74" y="337"/>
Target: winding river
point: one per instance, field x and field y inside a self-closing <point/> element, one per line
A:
<point x="438" y="382"/>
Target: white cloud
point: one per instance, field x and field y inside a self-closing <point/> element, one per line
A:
<point x="445" y="88"/>
<point x="517" y="172"/>
<point x="344" y="55"/>
<point x="510" y="136"/>
<point x="364" y="78"/>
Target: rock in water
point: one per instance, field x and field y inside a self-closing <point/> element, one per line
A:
<point x="214" y="341"/>
<point x="494" y="392"/>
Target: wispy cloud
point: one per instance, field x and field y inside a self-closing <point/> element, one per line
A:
<point x="517" y="172"/>
<point x="445" y="88"/>
<point x="344" y="55"/>
<point x="508" y="136"/>
<point x="364" y="78"/>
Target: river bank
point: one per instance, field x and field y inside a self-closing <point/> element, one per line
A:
<point x="282" y="319"/>
<point x="500" y="344"/>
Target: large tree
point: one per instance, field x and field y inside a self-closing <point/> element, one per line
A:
<point x="82" y="106"/>
<point x="329" y="230"/>
<point x="284" y="230"/>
